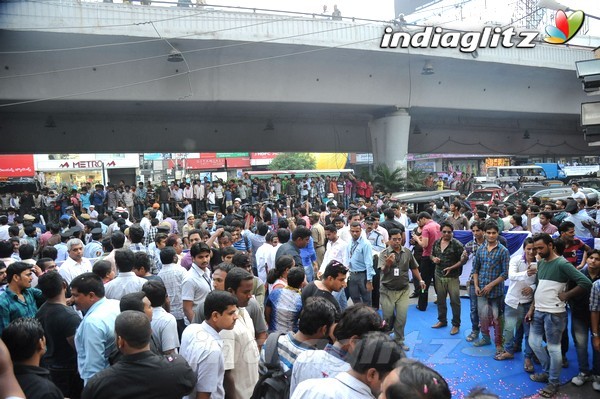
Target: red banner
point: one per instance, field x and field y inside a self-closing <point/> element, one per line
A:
<point x="238" y="162"/>
<point x="208" y="155"/>
<point x="20" y="165"/>
<point x="204" y="163"/>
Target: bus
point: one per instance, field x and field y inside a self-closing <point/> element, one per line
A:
<point x="516" y="174"/>
<point x="299" y="173"/>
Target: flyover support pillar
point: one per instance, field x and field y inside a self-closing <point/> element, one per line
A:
<point x="389" y="139"/>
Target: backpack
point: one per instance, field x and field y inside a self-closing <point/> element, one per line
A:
<point x="273" y="382"/>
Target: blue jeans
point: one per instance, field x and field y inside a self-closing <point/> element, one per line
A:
<point x="310" y="273"/>
<point x="473" y="313"/>
<point x="357" y="285"/>
<point x="580" y="330"/>
<point x="490" y="314"/>
<point x="553" y="325"/>
<point x="513" y="319"/>
<point x="340" y="296"/>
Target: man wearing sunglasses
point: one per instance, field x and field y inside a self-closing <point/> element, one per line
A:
<point x="447" y="254"/>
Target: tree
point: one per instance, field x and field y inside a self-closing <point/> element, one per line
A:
<point x="387" y="180"/>
<point x="293" y="160"/>
<point x="414" y="180"/>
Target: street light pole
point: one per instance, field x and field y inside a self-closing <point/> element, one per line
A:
<point x="103" y="174"/>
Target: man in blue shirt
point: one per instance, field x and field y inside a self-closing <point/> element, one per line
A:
<point x="360" y="263"/>
<point x="18" y="299"/>
<point x="95" y="337"/>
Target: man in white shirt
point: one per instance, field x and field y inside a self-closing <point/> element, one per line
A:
<point x="265" y="256"/>
<point x="344" y="231"/>
<point x="75" y="264"/>
<point x="4" y="228"/>
<point x="577" y="194"/>
<point x="240" y="349"/>
<point x="127" y="281"/>
<point x="202" y="346"/>
<point x="164" y="325"/>
<point x="172" y="276"/>
<point x="580" y="218"/>
<point x="371" y="361"/>
<point x="356" y="321"/>
<point x="335" y="249"/>
<point x="199" y="195"/>
<point x="197" y="283"/>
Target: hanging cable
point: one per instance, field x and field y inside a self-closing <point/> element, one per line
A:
<point x="182" y="73"/>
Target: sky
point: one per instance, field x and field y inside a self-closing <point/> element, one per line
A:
<point x="475" y="13"/>
<point x="351" y="8"/>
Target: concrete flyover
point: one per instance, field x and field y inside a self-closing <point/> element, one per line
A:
<point x="81" y="77"/>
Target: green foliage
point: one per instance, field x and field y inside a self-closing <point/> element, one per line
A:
<point x="293" y="160"/>
<point x="414" y="180"/>
<point x="389" y="181"/>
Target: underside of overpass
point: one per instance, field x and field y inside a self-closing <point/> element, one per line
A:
<point x="155" y="126"/>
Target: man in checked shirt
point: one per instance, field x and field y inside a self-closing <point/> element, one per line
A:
<point x="490" y="270"/>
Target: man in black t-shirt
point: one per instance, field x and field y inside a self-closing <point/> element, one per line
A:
<point x="60" y="323"/>
<point x="333" y="280"/>
<point x="390" y="223"/>
<point x="24" y="339"/>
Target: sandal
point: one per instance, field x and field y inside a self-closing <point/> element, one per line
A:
<point x="539" y="377"/>
<point x="549" y="390"/>
<point x="528" y="366"/>
<point x="472" y="337"/>
<point x="504" y="356"/>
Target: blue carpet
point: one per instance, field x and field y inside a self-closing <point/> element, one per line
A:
<point x="466" y="367"/>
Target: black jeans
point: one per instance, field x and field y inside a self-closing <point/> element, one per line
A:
<point x="68" y="381"/>
<point x="376" y="283"/>
<point x="427" y="270"/>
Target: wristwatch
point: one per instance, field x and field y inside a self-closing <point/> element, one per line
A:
<point x="595" y="335"/>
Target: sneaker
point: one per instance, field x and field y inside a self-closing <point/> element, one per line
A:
<point x="596" y="383"/>
<point x="581" y="379"/>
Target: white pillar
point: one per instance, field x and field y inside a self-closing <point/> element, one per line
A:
<point x="389" y="138"/>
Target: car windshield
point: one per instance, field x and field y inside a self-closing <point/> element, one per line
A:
<point x="521" y="195"/>
<point x="480" y="196"/>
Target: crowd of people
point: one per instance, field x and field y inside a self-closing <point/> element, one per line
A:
<point x="277" y="285"/>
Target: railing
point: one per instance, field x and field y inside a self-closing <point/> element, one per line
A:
<point x="214" y="22"/>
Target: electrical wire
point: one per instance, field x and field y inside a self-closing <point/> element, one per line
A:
<point x="182" y="52"/>
<point x="182" y="73"/>
<point x="207" y="11"/>
<point x="494" y="151"/>
<point x="148" y="40"/>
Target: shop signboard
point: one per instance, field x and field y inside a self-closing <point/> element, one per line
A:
<point x="232" y="154"/>
<point x="263" y="155"/>
<point x="200" y="163"/>
<point x="242" y="162"/>
<point x="86" y="162"/>
<point x="18" y="165"/>
<point x="364" y="158"/>
<point x="425" y="166"/>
